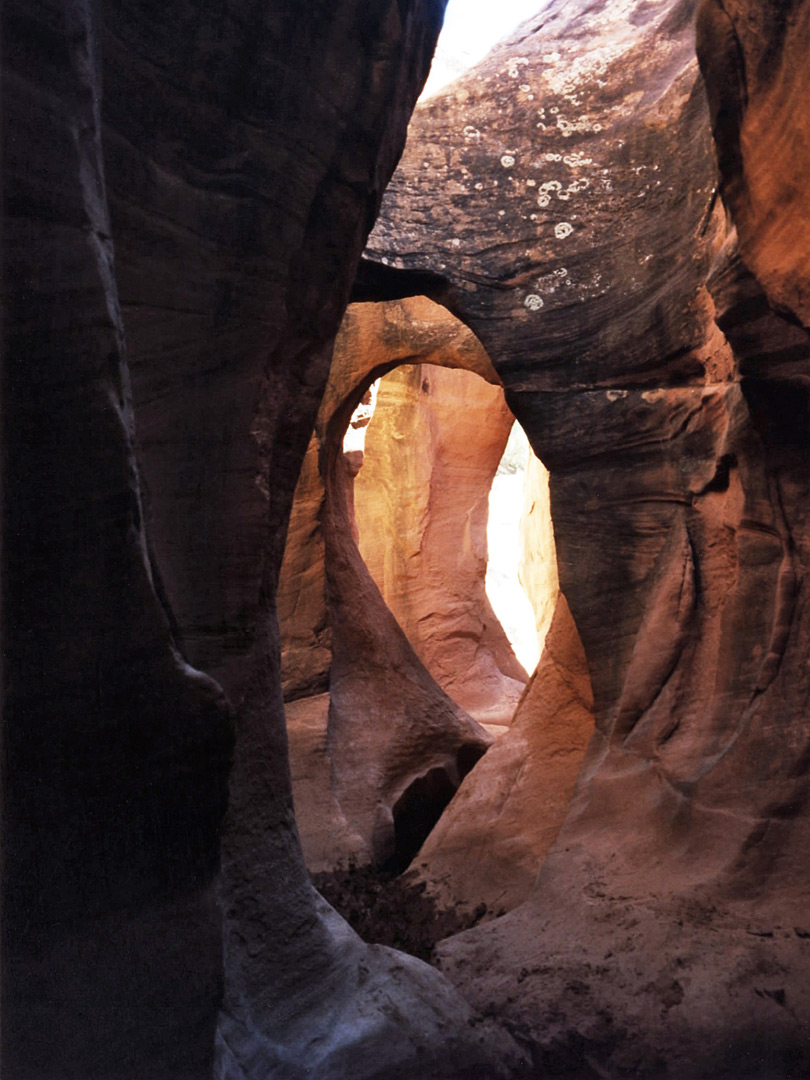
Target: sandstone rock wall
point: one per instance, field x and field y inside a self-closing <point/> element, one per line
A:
<point x="199" y="183"/>
<point x="752" y="58"/>
<point x="115" y="751"/>
<point x="420" y="501"/>
<point x="205" y="199"/>
<point x="373" y="338"/>
<point x="676" y="491"/>
<point x="389" y="721"/>
<point x="510" y="809"/>
<point x="538" y="553"/>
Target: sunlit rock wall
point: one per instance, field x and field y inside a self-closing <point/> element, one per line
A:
<point x="537" y="568"/>
<point x="373" y="338"/>
<point x="420" y="501"/>
<point x="510" y="808"/>
<point x="389" y="721"/>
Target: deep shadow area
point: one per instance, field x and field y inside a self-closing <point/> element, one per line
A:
<point x="420" y="806"/>
<point x="415" y="813"/>
<point x="389" y="910"/>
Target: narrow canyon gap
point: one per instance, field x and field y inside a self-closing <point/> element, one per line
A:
<point x="614" y="202"/>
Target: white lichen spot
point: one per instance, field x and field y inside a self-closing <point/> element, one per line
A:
<point x="479" y="186"/>
<point x="525" y="87"/>
<point x="531" y="183"/>
<point x="456" y="242"/>
<point x="543" y="200"/>
<point x="471" y="132"/>
<point x="507" y="161"/>
<point x="553" y="157"/>
<point x="501" y="213"/>
<point x="577" y="159"/>
<point x="514" y="65"/>
<point x="533" y="217"/>
<point x="563" y="229"/>
<point x="653" y="395"/>
<point x="533" y="302"/>
<point x="615" y="395"/>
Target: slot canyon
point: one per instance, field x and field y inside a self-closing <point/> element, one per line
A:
<point x="282" y="795"/>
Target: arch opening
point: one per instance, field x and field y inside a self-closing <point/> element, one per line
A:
<point x="438" y="497"/>
<point x="422" y="683"/>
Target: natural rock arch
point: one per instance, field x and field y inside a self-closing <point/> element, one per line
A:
<point x="378" y="698"/>
<point x="212" y="202"/>
<point x="579" y="235"/>
<point x="376" y="707"/>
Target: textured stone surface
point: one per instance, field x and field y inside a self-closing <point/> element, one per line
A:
<point x="389" y="722"/>
<point x="326" y="837"/>
<point x="244" y="151"/>
<point x="306" y="637"/>
<point x="753" y="59"/>
<point x="576" y="239"/>
<point x="420" y="502"/>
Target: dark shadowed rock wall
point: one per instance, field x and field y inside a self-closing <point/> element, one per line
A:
<point x="187" y="192"/>
<point x="115" y="751"/>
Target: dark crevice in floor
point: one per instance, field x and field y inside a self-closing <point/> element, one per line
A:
<point x="396" y="911"/>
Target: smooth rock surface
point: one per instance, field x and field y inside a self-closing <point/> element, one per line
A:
<point x="753" y="60"/>
<point x="115" y="751"/>
<point x="511" y="806"/>
<point x="537" y="565"/>
<point x="420" y="502"/>
<point x="373" y="338"/>
<point x="205" y="197"/>
<point x="390" y="724"/>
